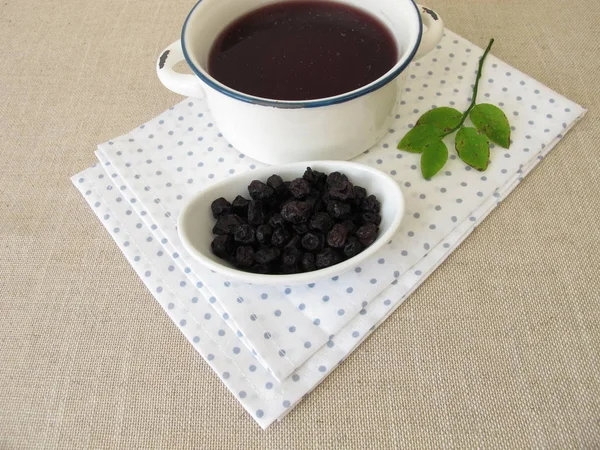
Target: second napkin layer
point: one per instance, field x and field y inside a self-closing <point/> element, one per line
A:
<point x="168" y="159"/>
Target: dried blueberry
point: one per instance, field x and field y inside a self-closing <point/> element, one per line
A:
<point x="300" y="228"/>
<point x="240" y="206"/>
<point x="370" y="204"/>
<point x="291" y="256"/>
<point x="260" y="191"/>
<point x="343" y="191"/>
<point x="220" y="207"/>
<point x="266" y="255"/>
<point x="321" y="221"/>
<point x="314" y="177"/>
<point x="261" y="269"/>
<point x="339" y="210"/>
<point x="296" y="211"/>
<point x="299" y="188"/>
<point x="280" y="237"/>
<point x="360" y="193"/>
<point x="227" y="224"/>
<point x="255" y="213"/>
<point x="294" y="242"/>
<point x="370" y="217"/>
<point x="367" y="234"/>
<point x="245" y="235"/>
<point x="308" y="263"/>
<point x="350" y="226"/>
<point x="288" y="270"/>
<point x="263" y="234"/>
<point x="327" y="257"/>
<point x="222" y="246"/>
<point x="335" y="177"/>
<point x="244" y="256"/>
<point x="316" y="203"/>
<point x="276" y="221"/>
<point x="312" y="242"/>
<point x="353" y="247"/>
<point x="336" y="238"/>
<point x="275" y="182"/>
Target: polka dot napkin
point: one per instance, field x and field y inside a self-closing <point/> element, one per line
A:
<point x="273" y="345"/>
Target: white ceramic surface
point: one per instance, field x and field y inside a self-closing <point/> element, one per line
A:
<point x="276" y="132"/>
<point x="195" y="222"/>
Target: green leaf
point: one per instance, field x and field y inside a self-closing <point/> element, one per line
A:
<point x="473" y="148"/>
<point x="433" y="159"/>
<point x="443" y="118"/>
<point x="419" y="138"/>
<point x="491" y="121"/>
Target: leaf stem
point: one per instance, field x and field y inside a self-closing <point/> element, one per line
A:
<point x="474" y="99"/>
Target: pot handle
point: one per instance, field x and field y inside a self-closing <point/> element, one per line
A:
<point x="180" y="83"/>
<point x="434" y="33"/>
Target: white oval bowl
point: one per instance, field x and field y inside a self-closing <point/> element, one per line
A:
<point x="195" y="222"/>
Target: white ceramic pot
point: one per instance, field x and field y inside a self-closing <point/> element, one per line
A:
<point x="275" y="132"/>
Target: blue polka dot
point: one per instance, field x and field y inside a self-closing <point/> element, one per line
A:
<point x="226" y="375"/>
<point x="292" y="329"/>
<point x="221" y="333"/>
<point x="355" y="334"/>
<point x="171" y="306"/>
<point x="341" y="312"/>
<point x="194" y="299"/>
<point x="326" y="298"/>
<point x="307" y="344"/>
<point x="264" y="296"/>
<point x="277" y="313"/>
<point x="236" y="350"/>
<point x="330" y="344"/>
<point x="286" y="403"/>
<point x="252" y="368"/>
<point x="349" y="290"/>
<point x="196" y="339"/>
<point x="207" y="316"/>
<point x="242" y="394"/>
<point x="259" y="413"/>
<point x="295" y="377"/>
<point x="322" y="368"/>
<point x="317" y="321"/>
<point x="269" y="385"/>
<point x="358" y="270"/>
<point x="288" y="291"/>
<point x="387" y="302"/>
<point x="301" y="306"/>
<point x="267" y="335"/>
<point x="373" y="280"/>
<point x="210" y="357"/>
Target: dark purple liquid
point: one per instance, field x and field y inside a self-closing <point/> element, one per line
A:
<point x="302" y="50"/>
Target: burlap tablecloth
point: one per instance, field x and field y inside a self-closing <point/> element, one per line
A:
<point x="499" y="348"/>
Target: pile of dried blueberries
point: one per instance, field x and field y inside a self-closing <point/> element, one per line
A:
<point x="295" y="226"/>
